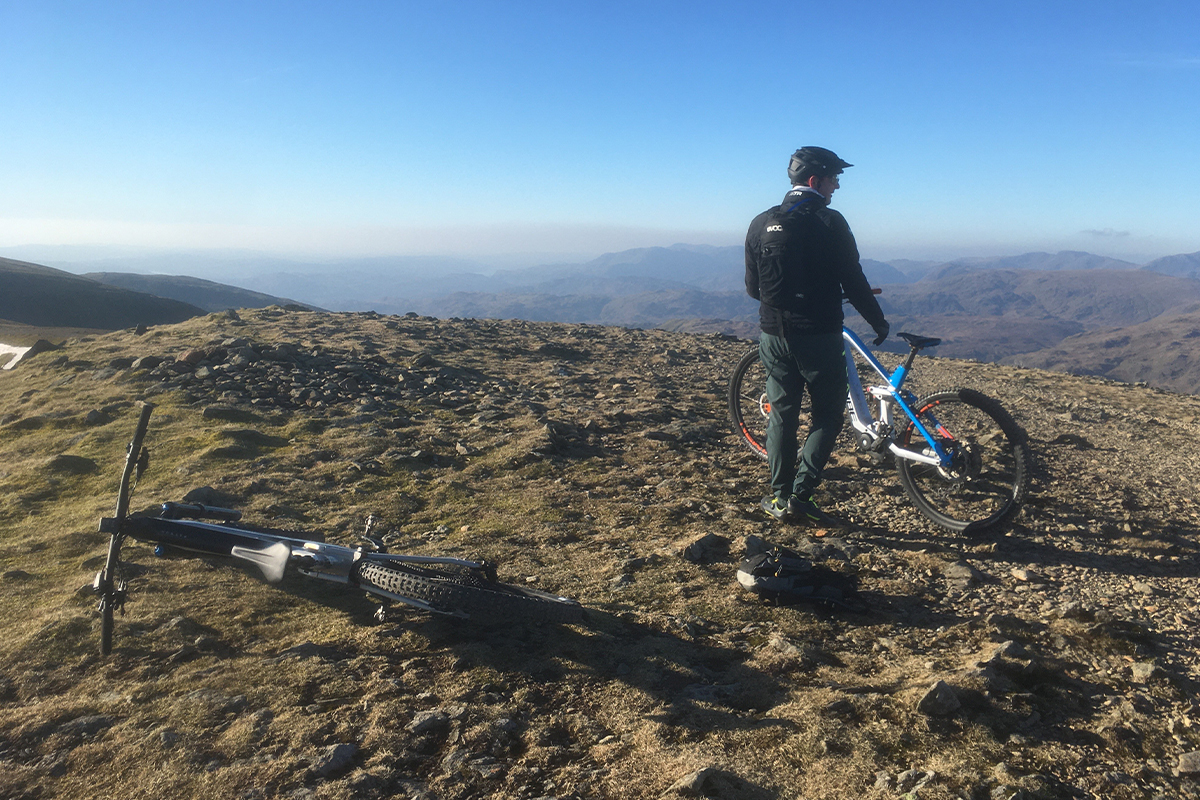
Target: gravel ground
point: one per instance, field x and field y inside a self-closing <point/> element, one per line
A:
<point x="1052" y="657"/>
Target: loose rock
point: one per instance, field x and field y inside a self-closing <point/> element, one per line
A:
<point x="333" y="759"/>
<point x="940" y="701"/>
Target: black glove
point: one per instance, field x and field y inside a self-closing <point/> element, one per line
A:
<point x="881" y="332"/>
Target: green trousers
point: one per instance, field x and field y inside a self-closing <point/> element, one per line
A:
<point x="795" y="362"/>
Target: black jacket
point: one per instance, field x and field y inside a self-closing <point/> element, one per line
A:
<point x="801" y="259"/>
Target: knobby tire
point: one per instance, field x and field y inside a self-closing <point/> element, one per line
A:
<point x="990" y="473"/>
<point x="466" y="593"/>
<point x="748" y="407"/>
<point x="109" y="582"/>
<point x="106" y="628"/>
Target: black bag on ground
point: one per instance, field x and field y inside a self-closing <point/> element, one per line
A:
<point x="784" y="576"/>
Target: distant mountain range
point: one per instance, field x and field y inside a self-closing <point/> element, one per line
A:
<point x="1069" y="311"/>
<point x="1163" y="351"/>
<point x="1028" y="310"/>
<point x="45" y="297"/>
<point x="1183" y="266"/>
<point x="208" y="295"/>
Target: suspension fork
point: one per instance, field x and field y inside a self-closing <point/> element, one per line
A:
<point x="856" y="398"/>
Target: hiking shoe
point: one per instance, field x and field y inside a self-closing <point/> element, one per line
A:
<point x="775" y="507"/>
<point x="805" y="510"/>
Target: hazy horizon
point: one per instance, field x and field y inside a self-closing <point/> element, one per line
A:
<point x="206" y="263"/>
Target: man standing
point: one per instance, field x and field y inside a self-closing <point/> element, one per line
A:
<point x="801" y="260"/>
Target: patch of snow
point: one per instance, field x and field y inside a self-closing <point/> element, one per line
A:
<point x="11" y="355"/>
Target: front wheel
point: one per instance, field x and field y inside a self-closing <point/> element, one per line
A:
<point x="111" y="590"/>
<point x="106" y="625"/>
<point x="466" y="593"/>
<point x="987" y="477"/>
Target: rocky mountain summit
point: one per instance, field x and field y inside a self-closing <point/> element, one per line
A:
<point x="1051" y="658"/>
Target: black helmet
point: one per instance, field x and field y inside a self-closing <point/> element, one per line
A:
<point x="808" y="161"/>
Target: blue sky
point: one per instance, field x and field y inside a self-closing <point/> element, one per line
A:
<point x="525" y="130"/>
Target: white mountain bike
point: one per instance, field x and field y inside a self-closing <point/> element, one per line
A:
<point x="963" y="461"/>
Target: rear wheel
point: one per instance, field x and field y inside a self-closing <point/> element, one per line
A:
<point x="988" y="475"/>
<point x="748" y="406"/>
<point x="467" y="593"/>
<point x="749" y="409"/>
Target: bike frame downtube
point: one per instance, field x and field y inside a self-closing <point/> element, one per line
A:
<point x="861" y="417"/>
<point x="325" y="560"/>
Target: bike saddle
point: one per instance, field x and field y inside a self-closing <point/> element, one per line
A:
<point x="919" y="342"/>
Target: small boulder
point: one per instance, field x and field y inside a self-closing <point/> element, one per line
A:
<point x="146" y="362"/>
<point x="940" y="701"/>
<point x="708" y="548"/>
<point x="962" y="574"/>
<point x="193" y="356"/>
<point x="433" y="722"/>
<point x="332" y="760"/>
<point x="40" y="346"/>
<point x="85" y="727"/>
<point x="1145" y="671"/>
<point x="694" y="783"/>
<point x="1073" y="609"/>
<point x="64" y="464"/>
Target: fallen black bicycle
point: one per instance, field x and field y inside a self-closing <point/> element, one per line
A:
<point x="440" y="585"/>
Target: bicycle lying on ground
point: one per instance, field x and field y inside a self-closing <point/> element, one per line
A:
<point x="963" y="461"/>
<point x="452" y="586"/>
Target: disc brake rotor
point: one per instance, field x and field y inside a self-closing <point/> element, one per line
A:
<point x="965" y="463"/>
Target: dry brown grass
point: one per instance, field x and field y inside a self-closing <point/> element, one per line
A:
<point x="18" y="334"/>
<point x="676" y="669"/>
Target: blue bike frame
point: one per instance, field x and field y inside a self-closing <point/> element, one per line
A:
<point x="891" y="393"/>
